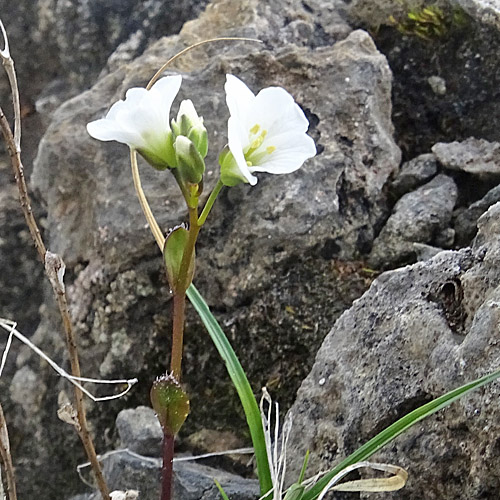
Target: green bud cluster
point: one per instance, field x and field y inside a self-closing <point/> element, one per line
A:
<point x="190" y="143"/>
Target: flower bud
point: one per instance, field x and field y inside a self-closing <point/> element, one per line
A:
<point x="170" y="403"/>
<point x="189" y="161"/>
<point x="190" y="125"/>
<point x="198" y="136"/>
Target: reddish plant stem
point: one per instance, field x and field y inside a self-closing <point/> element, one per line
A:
<point x="179" y="317"/>
<point x="168" y="467"/>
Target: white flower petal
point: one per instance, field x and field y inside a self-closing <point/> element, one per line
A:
<point x="239" y="97"/>
<point x="135" y="96"/>
<point x="142" y="119"/>
<point x="292" y="150"/>
<point x="149" y="115"/>
<point x="115" y="110"/>
<point x="236" y="148"/>
<point x="267" y="132"/>
<point x="107" y="130"/>
<point x="275" y="110"/>
<point x="168" y="88"/>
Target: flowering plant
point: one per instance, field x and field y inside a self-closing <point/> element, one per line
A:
<point x="266" y="133"/>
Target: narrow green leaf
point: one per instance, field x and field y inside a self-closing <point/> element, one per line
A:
<point x="397" y="428"/>
<point x="221" y="490"/>
<point x="240" y="381"/>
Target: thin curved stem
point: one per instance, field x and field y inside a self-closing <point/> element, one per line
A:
<point x="194" y="46"/>
<point x="210" y="202"/>
<point x="153" y="225"/>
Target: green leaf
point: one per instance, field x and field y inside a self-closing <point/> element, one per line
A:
<point x="222" y="492"/>
<point x="175" y="245"/>
<point x="170" y="403"/>
<point x="397" y="428"/>
<point x="295" y="492"/>
<point x="240" y="381"/>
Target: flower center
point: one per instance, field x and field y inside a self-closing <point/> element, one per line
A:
<point x="252" y="154"/>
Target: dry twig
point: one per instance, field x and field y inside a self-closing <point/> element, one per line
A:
<point x="7" y="458"/>
<point x="54" y="266"/>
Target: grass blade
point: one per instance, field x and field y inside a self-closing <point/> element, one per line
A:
<point x="240" y="381"/>
<point x="221" y="490"/>
<point x="397" y="428"/>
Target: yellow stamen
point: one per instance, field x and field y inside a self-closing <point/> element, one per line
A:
<point x="270" y="149"/>
<point x="249" y="163"/>
<point x="255" y="129"/>
<point x="257" y="143"/>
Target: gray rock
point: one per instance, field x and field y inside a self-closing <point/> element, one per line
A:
<point x="465" y="56"/>
<point x="417" y="333"/>
<point x="21" y="273"/>
<point x="418" y="217"/>
<point x="140" y="431"/>
<point x="474" y="156"/>
<point x="465" y="219"/>
<point x="414" y="173"/>
<point x="377" y="12"/>
<point x="250" y="252"/>
<point x="486" y="11"/>
<point x="192" y="481"/>
<point x="28" y="389"/>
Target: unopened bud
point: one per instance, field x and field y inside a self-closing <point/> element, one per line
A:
<point x="190" y="125"/>
<point x="189" y="160"/>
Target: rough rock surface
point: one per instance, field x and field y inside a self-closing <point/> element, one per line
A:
<point x="465" y="220"/>
<point x="264" y="247"/>
<point x="485" y="11"/>
<point x="192" y="481"/>
<point x="19" y="262"/>
<point x="431" y="327"/>
<point x="140" y="431"/>
<point x="470" y="105"/>
<point x="414" y="173"/>
<point x="136" y="465"/>
<point x="474" y="156"/>
<point x="278" y="263"/>
<point x="418" y="217"/>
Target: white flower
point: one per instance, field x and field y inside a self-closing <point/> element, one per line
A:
<point x="142" y="121"/>
<point x="266" y="133"/>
